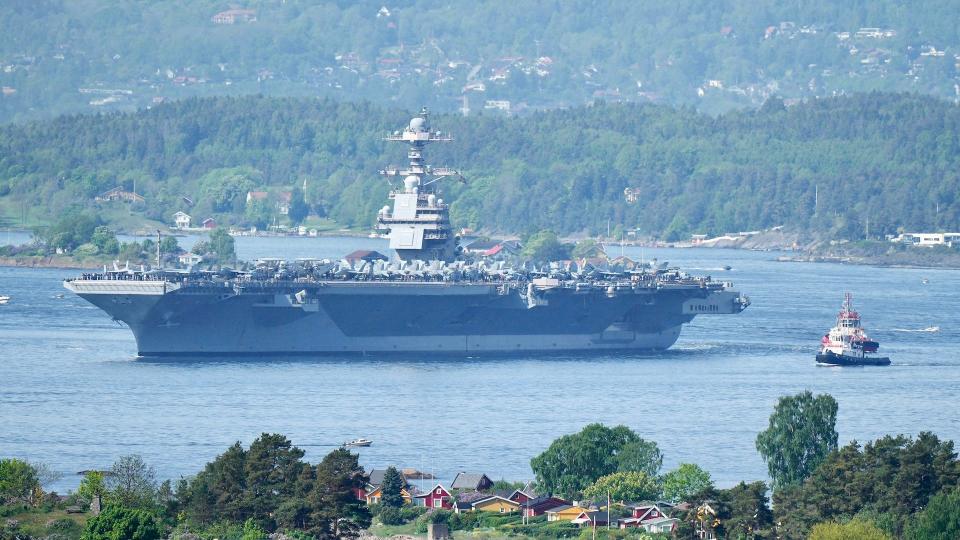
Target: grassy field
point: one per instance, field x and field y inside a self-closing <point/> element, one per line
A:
<point x="40" y="523"/>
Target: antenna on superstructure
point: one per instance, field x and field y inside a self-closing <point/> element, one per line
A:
<point x="418" y="225"/>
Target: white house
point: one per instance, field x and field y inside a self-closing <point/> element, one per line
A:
<point x="189" y="259"/>
<point x="182" y="220"/>
<point x="929" y="239"/>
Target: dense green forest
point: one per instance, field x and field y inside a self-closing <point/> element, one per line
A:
<point x="840" y="166"/>
<point x="60" y="56"/>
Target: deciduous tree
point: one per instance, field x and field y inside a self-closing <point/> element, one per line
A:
<point x="684" y="482"/>
<point x="624" y="487"/>
<point x="801" y="433"/>
<point x="573" y="462"/>
<point x="132" y="483"/>
<point x="18" y="481"/>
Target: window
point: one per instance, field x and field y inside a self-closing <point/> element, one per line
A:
<point x="501" y="510"/>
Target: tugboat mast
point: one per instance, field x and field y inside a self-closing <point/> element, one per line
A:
<point x="418" y="225"/>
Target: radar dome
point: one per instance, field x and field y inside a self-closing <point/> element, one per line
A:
<point x="411" y="182"/>
<point x="418" y="124"/>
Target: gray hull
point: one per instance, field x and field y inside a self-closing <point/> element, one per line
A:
<point x="363" y="317"/>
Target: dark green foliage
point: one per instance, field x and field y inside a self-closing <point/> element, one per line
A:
<point x="73" y="228"/>
<point x="392" y="484"/>
<point x="336" y="511"/>
<point x="573" y="462"/>
<point x="242" y="484"/>
<point x="105" y="240"/>
<point x="169" y="245"/>
<point x="391" y="516"/>
<point x="268" y="486"/>
<point x="640" y="455"/>
<point x="890" y="158"/>
<point x="218" y="249"/>
<point x="940" y="520"/>
<point x="298" y="207"/>
<point x="545" y="246"/>
<point x="271" y="467"/>
<point x="892" y="477"/>
<point x="116" y="522"/>
<point x="802" y="432"/>
<point x="743" y="511"/>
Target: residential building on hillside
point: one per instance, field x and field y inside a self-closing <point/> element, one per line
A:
<point x="181" y="220"/>
<point x="472" y="481"/>
<point x="119" y="194"/>
<point x="496" y="503"/>
<point x="438" y="497"/>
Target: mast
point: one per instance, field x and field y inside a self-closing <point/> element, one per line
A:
<point x="418" y="225"/>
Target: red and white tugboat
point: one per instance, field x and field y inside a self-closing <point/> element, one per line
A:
<point x="847" y="344"/>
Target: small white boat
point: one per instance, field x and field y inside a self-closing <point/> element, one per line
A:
<point x="359" y="442"/>
<point x="4" y="299"/>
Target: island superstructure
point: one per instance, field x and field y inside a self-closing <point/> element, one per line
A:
<point x="426" y="301"/>
<point x="419" y="224"/>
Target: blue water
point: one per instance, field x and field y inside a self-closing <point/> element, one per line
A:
<point x="72" y="395"/>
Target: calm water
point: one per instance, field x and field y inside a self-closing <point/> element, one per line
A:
<point x="72" y="395"/>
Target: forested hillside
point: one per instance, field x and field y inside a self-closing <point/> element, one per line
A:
<point x="843" y="166"/>
<point x="60" y="56"/>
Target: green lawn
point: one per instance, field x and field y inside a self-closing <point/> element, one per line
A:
<point x="40" y="523"/>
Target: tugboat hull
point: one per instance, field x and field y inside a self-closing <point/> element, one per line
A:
<point x="832" y="359"/>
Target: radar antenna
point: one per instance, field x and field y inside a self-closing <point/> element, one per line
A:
<point x="418" y="225"/>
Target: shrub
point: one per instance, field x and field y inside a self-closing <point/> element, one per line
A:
<point x="391" y="516"/>
<point x="65" y="527"/>
<point x="856" y="529"/>
<point x="410" y="513"/>
<point x="118" y="522"/>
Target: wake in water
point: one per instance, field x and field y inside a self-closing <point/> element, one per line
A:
<point x="928" y="330"/>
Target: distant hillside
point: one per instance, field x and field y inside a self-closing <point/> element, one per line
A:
<point x="845" y="166"/>
<point x="66" y="56"/>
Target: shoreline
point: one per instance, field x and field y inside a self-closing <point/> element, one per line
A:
<point x="63" y="263"/>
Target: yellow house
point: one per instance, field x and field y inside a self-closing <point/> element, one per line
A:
<point x="496" y="504"/>
<point x="565" y="513"/>
<point x="373" y="497"/>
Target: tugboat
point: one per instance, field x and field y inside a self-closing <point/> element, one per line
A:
<point x="847" y="344"/>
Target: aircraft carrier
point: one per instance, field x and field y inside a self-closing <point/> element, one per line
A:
<point x="429" y="299"/>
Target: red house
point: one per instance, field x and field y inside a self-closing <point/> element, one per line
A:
<point x="519" y="496"/>
<point x="538" y="506"/>
<point x="438" y="497"/>
<point x="209" y="223"/>
<point x="644" y="512"/>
